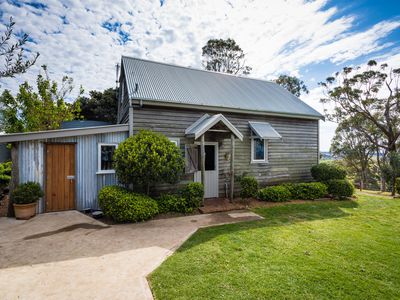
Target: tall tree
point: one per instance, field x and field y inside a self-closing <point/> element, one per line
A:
<point x="224" y="56"/>
<point x="12" y="51"/>
<point x="100" y="106"/>
<point x="43" y="109"/>
<point x="292" y="84"/>
<point x="357" y="151"/>
<point x="371" y="94"/>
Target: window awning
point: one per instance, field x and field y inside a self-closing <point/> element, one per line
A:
<point x="264" y="130"/>
<point x="206" y="122"/>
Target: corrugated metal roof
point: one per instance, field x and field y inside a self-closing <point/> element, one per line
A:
<point x="203" y="124"/>
<point x="82" y="124"/>
<point x="180" y="85"/>
<point x="264" y="130"/>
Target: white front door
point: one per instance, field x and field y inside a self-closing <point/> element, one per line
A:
<point x="211" y="170"/>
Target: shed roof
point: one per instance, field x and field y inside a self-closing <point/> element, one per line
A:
<point x="264" y="130"/>
<point x="41" y="135"/>
<point x="176" y="85"/>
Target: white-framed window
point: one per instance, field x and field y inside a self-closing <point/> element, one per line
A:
<point x="175" y="141"/>
<point x="259" y="150"/>
<point x="105" y="155"/>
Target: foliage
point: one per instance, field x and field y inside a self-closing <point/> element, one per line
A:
<point x="277" y="193"/>
<point x="249" y="187"/>
<point x="5" y="173"/>
<point x="371" y="95"/>
<point x="100" y="106"/>
<point x="308" y="191"/>
<point x="125" y="206"/>
<point x="224" y="56"/>
<point x="352" y="145"/>
<point x="340" y="188"/>
<point x="26" y="193"/>
<point x="292" y="84"/>
<point x="173" y="203"/>
<point x="193" y="193"/>
<point x="324" y="172"/>
<point x="13" y="52"/>
<point x="148" y="158"/>
<point x="398" y="185"/>
<point x="37" y="111"/>
<point x="331" y="249"/>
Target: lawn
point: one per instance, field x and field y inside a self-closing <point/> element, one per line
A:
<point x="322" y="250"/>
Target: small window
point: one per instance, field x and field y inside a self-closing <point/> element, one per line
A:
<point x="258" y="150"/>
<point x="105" y="158"/>
<point x="175" y="141"/>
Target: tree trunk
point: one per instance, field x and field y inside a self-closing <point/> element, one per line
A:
<point x="148" y="189"/>
<point x="361" y="183"/>
<point x="392" y="152"/>
<point x="383" y="183"/>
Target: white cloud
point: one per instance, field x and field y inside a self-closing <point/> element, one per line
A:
<point x="277" y="36"/>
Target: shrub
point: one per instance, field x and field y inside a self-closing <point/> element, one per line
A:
<point x="125" y="206"/>
<point x="277" y="193"/>
<point x="340" y="188"/>
<point x="308" y="191"/>
<point x="398" y="185"/>
<point x="26" y="193"/>
<point x="148" y="158"/>
<point x="324" y="172"/>
<point x="193" y="193"/>
<point x="173" y="203"/>
<point x="5" y="173"/>
<point x="249" y="187"/>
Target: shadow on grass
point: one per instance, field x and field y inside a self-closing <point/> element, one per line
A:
<point x="274" y="217"/>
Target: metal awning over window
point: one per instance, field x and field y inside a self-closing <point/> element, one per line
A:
<point x="206" y="122"/>
<point x="264" y="130"/>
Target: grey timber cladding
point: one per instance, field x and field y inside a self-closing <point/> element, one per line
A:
<point x="289" y="159"/>
<point x="179" y="85"/>
<point x="88" y="183"/>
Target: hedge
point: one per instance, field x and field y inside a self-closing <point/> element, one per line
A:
<point x="277" y="193"/>
<point x="193" y="193"/>
<point x="173" y="203"/>
<point x="308" y="191"/>
<point x="324" y="172"/>
<point x="124" y="206"/>
<point x="340" y="188"/>
<point x="249" y="187"/>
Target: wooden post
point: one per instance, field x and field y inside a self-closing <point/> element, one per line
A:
<point x="203" y="163"/>
<point x="14" y="177"/>
<point x="232" y="166"/>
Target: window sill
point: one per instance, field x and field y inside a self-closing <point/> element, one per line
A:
<point x="105" y="172"/>
<point x="259" y="162"/>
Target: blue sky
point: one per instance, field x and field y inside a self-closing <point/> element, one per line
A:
<point x="309" y="39"/>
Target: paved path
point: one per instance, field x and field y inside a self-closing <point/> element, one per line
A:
<point x="68" y="255"/>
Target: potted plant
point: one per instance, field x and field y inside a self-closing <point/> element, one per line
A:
<point x="25" y="197"/>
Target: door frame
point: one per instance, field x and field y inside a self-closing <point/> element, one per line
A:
<point x="45" y="173"/>
<point x="216" y="161"/>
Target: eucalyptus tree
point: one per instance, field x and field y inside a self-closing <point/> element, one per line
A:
<point x="292" y="84"/>
<point x="224" y="56"/>
<point x="371" y="93"/>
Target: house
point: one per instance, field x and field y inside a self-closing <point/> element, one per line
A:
<point x="225" y="125"/>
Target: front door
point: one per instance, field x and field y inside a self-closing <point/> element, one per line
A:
<point x="211" y="170"/>
<point x="60" y="177"/>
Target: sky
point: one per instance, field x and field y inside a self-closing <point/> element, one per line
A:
<point x="308" y="39"/>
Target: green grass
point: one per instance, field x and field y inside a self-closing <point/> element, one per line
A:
<point x="322" y="250"/>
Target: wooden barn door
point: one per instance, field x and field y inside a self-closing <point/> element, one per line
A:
<point x="60" y="177"/>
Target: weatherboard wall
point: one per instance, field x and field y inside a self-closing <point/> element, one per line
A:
<point x="87" y="183"/>
<point x="289" y="159"/>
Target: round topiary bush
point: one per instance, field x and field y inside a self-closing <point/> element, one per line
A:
<point x="124" y="206"/>
<point x="340" y="188"/>
<point x="308" y="191"/>
<point x="277" y="193"/>
<point x="324" y="172"/>
<point x="249" y="187"/>
<point x="148" y="158"/>
<point x="26" y="193"/>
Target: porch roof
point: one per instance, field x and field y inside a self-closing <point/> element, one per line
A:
<point x="264" y="130"/>
<point x="206" y="122"/>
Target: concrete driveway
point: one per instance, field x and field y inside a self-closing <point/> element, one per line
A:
<point x="68" y="255"/>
